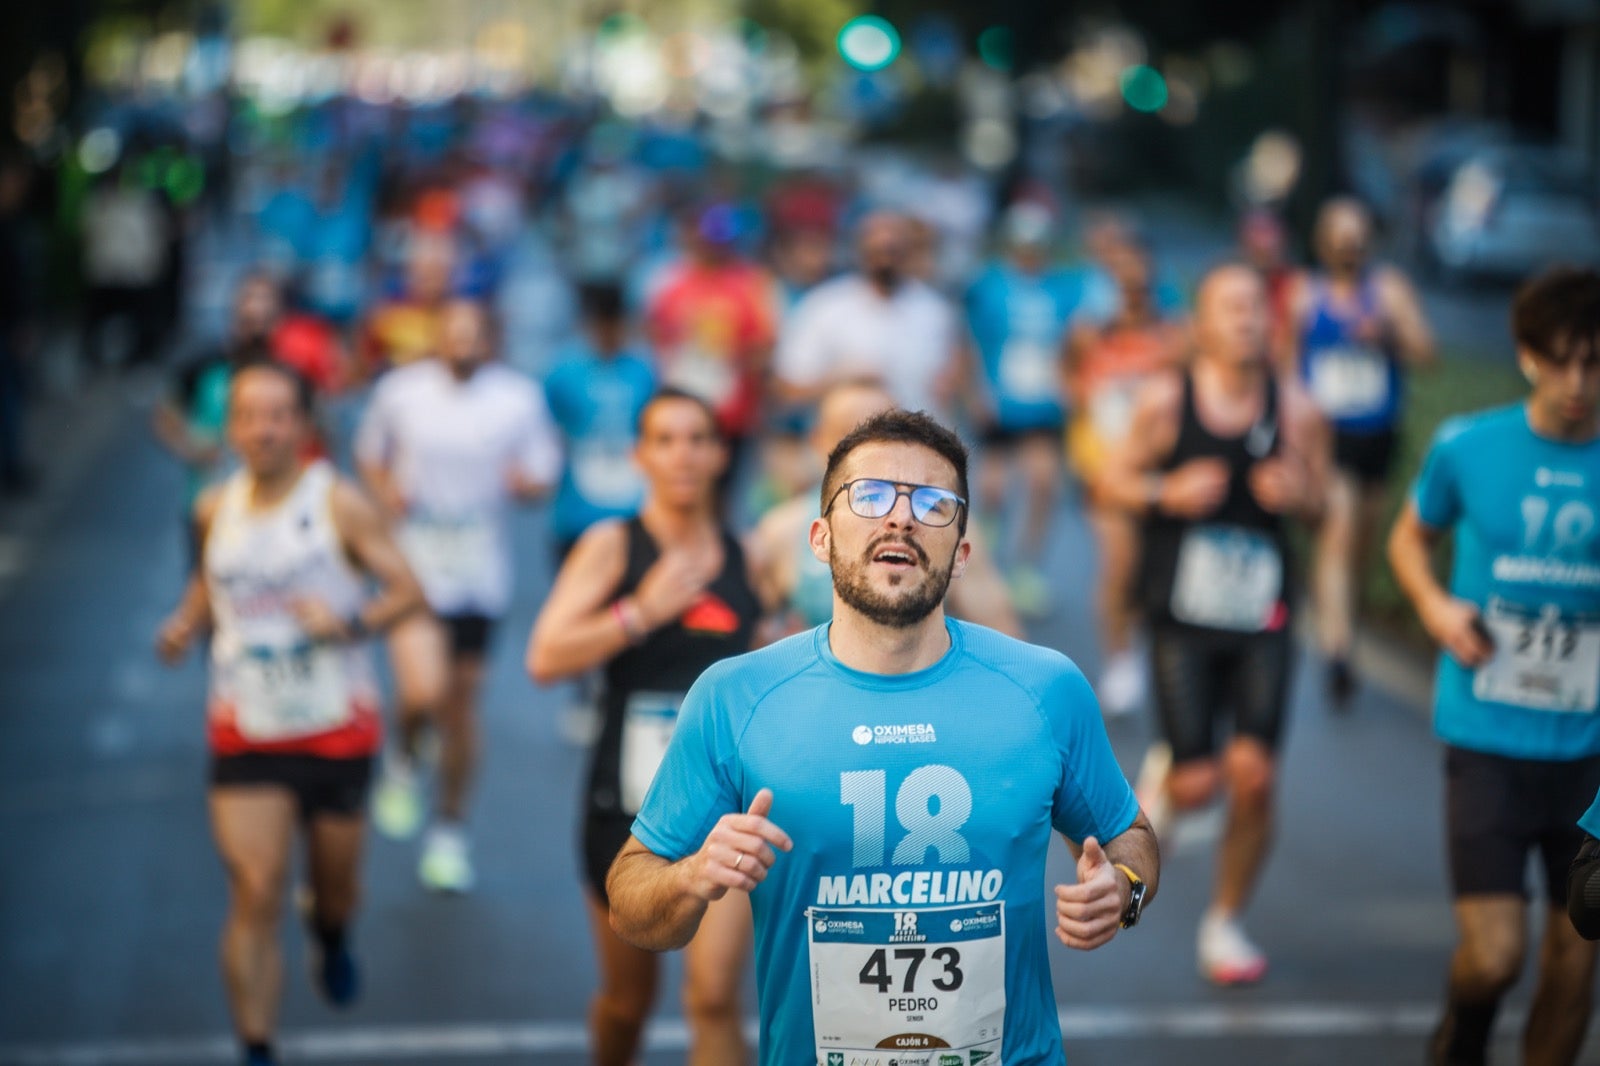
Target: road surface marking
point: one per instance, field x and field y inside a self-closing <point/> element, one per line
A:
<point x="444" y="1042"/>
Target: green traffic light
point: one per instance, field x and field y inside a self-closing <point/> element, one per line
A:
<point x="868" y="43"/>
<point x="1144" y="88"/>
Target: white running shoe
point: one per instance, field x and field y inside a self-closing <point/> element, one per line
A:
<point x="1227" y="957"/>
<point x="1151" y="787"/>
<point x="1122" y="684"/>
<point x="397" y="800"/>
<point x="446" y="864"/>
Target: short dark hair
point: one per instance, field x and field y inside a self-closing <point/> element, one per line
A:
<point x="900" y="427"/>
<point x="669" y="392"/>
<point x="1557" y="313"/>
<point x="259" y="358"/>
<point x="602" y="301"/>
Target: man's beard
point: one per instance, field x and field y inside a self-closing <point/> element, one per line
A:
<point x="902" y="612"/>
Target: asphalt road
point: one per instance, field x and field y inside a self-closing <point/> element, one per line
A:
<point x="111" y="895"/>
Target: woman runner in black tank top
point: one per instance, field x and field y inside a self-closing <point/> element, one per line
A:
<point x="645" y="683"/>
<point x="652" y="602"/>
<point x="1237" y="549"/>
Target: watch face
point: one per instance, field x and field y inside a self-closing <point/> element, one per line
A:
<point x="1130" y="917"/>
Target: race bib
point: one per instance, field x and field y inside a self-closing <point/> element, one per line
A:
<point x="604" y="474"/>
<point x="702" y="374"/>
<point x="451" y="551"/>
<point x="647" y="725"/>
<point x="1350" y="381"/>
<point x="1543" y="660"/>
<point x="1227" y="578"/>
<point x="334" y="284"/>
<point x="1111" y="407"/>
<point x="283" y="693"/>
<point x="928" y="986"/>
<point x="1028" y="371"/>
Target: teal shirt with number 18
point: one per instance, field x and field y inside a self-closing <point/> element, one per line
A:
<point x="1525" y="511"/>
<point x="912" y="911"/>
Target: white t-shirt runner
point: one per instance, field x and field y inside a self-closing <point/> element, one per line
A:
<point x="451" y="447"/>
<point x="844" y="328"/>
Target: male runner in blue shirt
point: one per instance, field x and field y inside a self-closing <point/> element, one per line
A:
<point x="1518" y="693"/>
<point x="916" y="766"/>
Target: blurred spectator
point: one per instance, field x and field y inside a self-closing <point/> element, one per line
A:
<point x="125" y="258"/>
<point x="711" y="324"/>
<point x="596" y="392"/>
<point x="878" y="323"/>
<point x="405" y="329"/>
<point x="1264" y="243"/>
<point x="189" y="421"/>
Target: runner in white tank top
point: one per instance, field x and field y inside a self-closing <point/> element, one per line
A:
<point x="447" y="446"/>
<point x="287" y="549"/>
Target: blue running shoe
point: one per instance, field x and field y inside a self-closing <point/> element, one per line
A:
<point x="337" y="976"/>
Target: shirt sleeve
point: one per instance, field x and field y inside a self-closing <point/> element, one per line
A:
<point x="802" y="354"/>
<point x="1436" y="492"/>
<point x="1093" y="798"/>
<point x="1590" y="822"/>
<point x="538" y="445"/>
<point x="374" y="441"/>
<point x="696" y="784"/>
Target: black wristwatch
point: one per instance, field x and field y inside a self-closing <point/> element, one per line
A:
<point x="1130" y="917"/>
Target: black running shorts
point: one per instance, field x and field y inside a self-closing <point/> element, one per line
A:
<point x="1498" y="809"/>
<point x="1367" y="457"/>
<point x="1202" y="677"/>
<point x="332" y="787"/>
<point x="469" y="634"/>
<point x="604" y="833"/>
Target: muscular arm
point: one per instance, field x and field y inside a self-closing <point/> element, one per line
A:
<point x="1309" y="443"/>
<point x="193" y="613"/>
<point x="1453" y="623"/>
<point x="1403" y="308"/>
<point x="1127" y="481"/>
<point x="1089" y="913"/>
<point x="651" y="905"/>
<point x="577" y="630"/>
<point x="657" y="904"/>
<point x="369" y="544"/>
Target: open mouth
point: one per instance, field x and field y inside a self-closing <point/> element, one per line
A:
<point x="897" y="556"/>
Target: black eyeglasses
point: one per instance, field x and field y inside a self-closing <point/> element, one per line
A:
<point x="871" y="497"/>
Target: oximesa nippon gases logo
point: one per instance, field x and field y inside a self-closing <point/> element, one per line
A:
<point x="913" y="733"/>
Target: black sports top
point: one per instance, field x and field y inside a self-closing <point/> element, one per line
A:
<point x="1239" y="533"/>
<point x="663" y="666"/>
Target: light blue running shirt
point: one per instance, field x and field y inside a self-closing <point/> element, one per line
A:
<point x="596" y="402"/>
<point x="1019" y="323"/>
<point x="912" y="910"/>
<point x="1526" y="516"/>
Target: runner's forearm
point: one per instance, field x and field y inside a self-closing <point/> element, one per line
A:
<point x="1411" y="559"/>
<point x="560" y="652"/>
<point x="650" y="908"/>
<point x="1136" y="848"/>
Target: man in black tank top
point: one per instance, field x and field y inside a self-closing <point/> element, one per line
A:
<point x="1216" y="461"/>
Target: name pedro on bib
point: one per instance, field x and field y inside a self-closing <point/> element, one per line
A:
<point x="909" y="887"/>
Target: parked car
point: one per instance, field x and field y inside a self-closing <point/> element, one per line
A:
<point x="1513" y="210"/>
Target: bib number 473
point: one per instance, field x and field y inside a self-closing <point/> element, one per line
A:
<point x="876" y="972"/>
